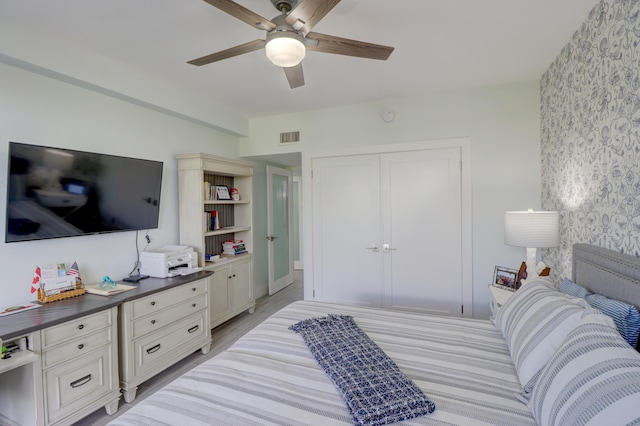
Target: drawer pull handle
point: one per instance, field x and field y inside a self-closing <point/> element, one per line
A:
<point x="153" y="303"/>
<point x="82" y="381"/>
<point x="153" y="349"/>
<point x="193" y="329"/>
<point x="80" y="327"/>
<point x="194" y="289"/>
<point x="194" y="305"/>
<point x="80" y="346"/>
<point x="153" y="321"/>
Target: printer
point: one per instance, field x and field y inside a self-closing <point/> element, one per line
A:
<point x="169" y="261"/>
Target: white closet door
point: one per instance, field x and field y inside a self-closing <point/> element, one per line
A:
<point x="421" y="199"/>
<point x="346" y="229"/>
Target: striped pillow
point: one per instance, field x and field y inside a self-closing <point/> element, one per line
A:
<point x="593" y="379"/>
<point x="534" y="322"/>
<point x="569" y="287"/>
<point x="626" y="317"/>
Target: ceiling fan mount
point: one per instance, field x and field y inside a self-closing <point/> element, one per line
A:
<point x="289" y="36"/>
<point x="284" y="6"/>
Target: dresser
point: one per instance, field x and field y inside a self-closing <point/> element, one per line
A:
<point x="76" y="354"/>
<point x="68" y="365"/>
<point x="161" y="322"/>
<point x="79" y="366"/>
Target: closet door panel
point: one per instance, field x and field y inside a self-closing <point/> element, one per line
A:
<point x="346" y="227"/>
<point x="421" y="202"/>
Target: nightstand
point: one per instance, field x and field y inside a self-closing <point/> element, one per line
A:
<point x="498" y="297"/>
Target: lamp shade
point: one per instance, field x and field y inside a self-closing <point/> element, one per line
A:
<point x="532" y="228"/>
<point x="285" y="49"/>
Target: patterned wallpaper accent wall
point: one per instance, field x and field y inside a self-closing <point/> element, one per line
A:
<point x="590" y="129"/>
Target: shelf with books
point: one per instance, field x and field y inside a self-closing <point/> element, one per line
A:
<point x="206" y="222"/>
<point x="200" y="177"/>
<point x="233" y="247"/>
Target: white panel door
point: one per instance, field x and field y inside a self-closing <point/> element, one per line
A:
<point x="422" y="246"/>
<point x="347" y="264"/>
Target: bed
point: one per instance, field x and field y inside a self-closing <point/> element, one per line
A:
<point x="476" y="372"/>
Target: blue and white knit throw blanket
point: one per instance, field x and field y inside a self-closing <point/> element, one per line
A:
<point x="372" y="385"/>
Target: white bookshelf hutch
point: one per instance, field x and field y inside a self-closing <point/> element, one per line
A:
<point x="231" y="285"/>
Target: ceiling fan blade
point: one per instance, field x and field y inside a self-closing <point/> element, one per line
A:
<point x="345" y="46"/>
<point x="229" y="53"/>
<point x="243" y="14"/>
<point x="308" y="13"/>
<point x="295" y="76"/>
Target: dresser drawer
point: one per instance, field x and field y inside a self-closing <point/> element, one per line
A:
<point x="76" y="347"/>
<point x="150" y="351"/>
<point x="74" y="384"/>
<point x="164" y="299"/>
<point x="76" y="328"/>
<point x="157" y="320"/>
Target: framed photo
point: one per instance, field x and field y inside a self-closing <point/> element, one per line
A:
<point x="222" y="193"/>
<point x="505" y="278"/>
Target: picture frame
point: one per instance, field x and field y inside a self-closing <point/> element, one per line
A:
<point x="222" y="192"/>
<point x="505" y="278"/>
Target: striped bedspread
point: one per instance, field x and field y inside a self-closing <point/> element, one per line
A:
<point x="269" y="377"/>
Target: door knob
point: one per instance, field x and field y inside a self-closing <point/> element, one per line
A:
<point x="374" y="247"/>
<point x="387" y="247"/>
<point x="271" y="237"/>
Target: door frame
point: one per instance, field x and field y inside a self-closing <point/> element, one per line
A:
<point x="464" y="144"/>
<point x="299" y="264"/>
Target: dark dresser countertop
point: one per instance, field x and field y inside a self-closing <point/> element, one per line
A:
<point x="54" y="313"/>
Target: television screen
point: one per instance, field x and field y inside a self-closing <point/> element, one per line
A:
<point x="55" y="192"/>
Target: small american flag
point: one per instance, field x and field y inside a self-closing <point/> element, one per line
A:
<point x="74" y="271"/>
<point x="35" y="284"/>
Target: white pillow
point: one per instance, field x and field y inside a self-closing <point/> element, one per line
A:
<point x="592" y="379"/>
<point x="534" y="322"/>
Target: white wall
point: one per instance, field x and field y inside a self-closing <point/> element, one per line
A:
<point x="25" y="46"/>
<point x="40" y="110"/>
<point x="503" y="123"/>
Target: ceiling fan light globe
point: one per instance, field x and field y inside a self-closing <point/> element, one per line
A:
<point x="284" y="50"/>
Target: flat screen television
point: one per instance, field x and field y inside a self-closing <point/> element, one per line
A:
<point x="57" y="192"/>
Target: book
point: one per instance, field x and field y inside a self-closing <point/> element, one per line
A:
<point x="211" y="221"/>
<point x="208" y="191"/>
<point x="119" y="288"/>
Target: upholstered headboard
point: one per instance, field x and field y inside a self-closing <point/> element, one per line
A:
<point x="607" y="272"/>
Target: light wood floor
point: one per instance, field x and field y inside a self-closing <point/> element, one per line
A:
<point x="222" y="337"/>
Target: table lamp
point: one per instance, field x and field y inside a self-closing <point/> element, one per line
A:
<point x="533" y="230"/>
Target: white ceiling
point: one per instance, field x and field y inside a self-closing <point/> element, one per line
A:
<point x="439" y="45"/>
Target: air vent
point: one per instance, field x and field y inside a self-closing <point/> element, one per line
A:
<point x="289" y="137"/>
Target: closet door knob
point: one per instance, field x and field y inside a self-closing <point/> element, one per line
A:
<point x="374" y="248"/>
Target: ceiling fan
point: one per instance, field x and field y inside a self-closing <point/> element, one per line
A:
<point x="289" y="36"/>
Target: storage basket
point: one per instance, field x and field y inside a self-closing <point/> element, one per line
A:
<point x="79" y="291"/>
